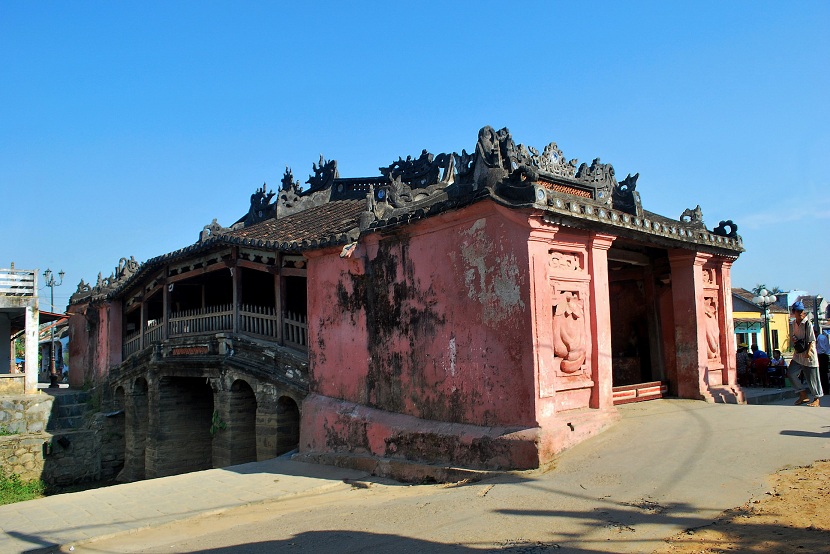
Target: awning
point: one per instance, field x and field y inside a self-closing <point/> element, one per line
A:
<point x="18" y="322"/>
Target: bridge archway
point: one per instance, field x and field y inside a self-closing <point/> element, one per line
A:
<point x="181" y="439"/>
<point x="241" y="425"/>
<point x="288" y="425"/>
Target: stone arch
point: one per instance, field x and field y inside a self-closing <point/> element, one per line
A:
<point x="241" y="423"/>
<point x="136" y="423"/>
<point x="180" y="440"/>
<point x="114" y="444"/>
<point x="288" y="425"/>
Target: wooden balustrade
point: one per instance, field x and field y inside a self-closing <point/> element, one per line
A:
<point x="258" y="321"/>
<point x="213" y="319"/>
<point x="154" y="332"/>
<point x="132" y="343"/>
<point x="261" y="321"/>
<point x="295" y="330"/>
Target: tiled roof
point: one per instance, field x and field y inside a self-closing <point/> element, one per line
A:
<point x="332" y="219"/>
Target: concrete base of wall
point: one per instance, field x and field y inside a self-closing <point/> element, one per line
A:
<point x="345" y="429"/>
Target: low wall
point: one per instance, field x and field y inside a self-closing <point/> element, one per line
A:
<point x="46" y="438"/>
<point x="12" y="383"/>
<point x="25" y="414"/>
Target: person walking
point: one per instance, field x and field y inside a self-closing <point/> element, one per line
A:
<point x="805" y="361"/>
<point x="823" y="349"/>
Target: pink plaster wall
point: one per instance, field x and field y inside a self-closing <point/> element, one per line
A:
<point x="432" y="322"/>
<point x="94" y="342"/>
<point x="81" y="347"/>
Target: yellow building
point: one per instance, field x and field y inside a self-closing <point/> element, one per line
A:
<point x="749" y="323"/>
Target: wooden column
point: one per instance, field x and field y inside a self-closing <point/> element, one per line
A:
<point x="236" y="282"/>
<point x="141" y="324"/>
<point x="165" y="308"/>
<point x="278" y="300"/>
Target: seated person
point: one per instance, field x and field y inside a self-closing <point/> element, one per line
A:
<point x="760" y="364"/>
<point x="777" y="368"/>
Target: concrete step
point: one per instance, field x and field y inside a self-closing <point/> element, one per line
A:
<point x="74" y="397"/>
<point x="64" y="423"/>
<point x="69" y="410"/>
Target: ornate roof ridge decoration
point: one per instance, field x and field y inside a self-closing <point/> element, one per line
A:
<point x="211" y="230"/>
<point x="103" y="286"/>
<point x="423" y="171"/>
<point x="293" y="198"/>
<point x="325" y="172"/>
<point x="693" y="216"/>
<point x="261" y="207"/>
<point x="726" y="229"/>
<point x="624" y="196"/>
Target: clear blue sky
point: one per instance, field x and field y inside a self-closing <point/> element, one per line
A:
<point x="125" y="127"/>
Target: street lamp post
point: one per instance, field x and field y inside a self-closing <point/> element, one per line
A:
<point x="765" y="300"/>
<point x="51" y="283"/>
<point x="817" y="304"/>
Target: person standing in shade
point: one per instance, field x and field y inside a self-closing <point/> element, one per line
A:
<point x="807" y="361"/>
<point x="742" y="366"/>
<point x="823" y="349"/>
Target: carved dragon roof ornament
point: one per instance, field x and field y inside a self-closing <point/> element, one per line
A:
<point x="424" y="171"/>
<point x="261" y="207"/>
<point x="325" y="172"/>
<point x="693" y="216"/>
<point x="625" y="198"/>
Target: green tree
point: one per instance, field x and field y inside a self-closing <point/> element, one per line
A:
<point x="756" y="290"/>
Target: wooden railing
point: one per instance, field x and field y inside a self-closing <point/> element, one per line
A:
<point x="213" y="319"/>
<point x="132" y="343"/>
<point x="17" y="282"/>
<point x="261" y="321"/>
<point x="154" y="332"/>
<point x="258" y="321"/>
<point x="295" y="330"/>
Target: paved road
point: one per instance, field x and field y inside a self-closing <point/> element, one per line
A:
<point x="667" y="466"/>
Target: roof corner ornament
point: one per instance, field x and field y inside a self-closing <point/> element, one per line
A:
<point x="624" y="196"/>
<point x="126" y="268"/>
<point x="325" y="172"/>
<point x="693" y="216"/>
<point x="726" y="229"/>
<point x="83" y="287"/>
<point x="211" y="230"/>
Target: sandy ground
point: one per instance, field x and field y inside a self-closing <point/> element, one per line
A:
<point x="792" y="516"/>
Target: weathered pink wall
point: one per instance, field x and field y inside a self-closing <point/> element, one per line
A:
<point x="94" y="342"/>
<point x="452" y="320"/>
<point x="433" y="322"/>
<point x="81" y="346"/>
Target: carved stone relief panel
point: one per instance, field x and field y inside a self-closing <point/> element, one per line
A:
<point x="565" y="262"/>
<point x="570" y="334"/>
<point x="712" y="328"/>
<point x="709" y="277"/>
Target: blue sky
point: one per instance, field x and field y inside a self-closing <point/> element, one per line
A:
<point x="125" y="127"/>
